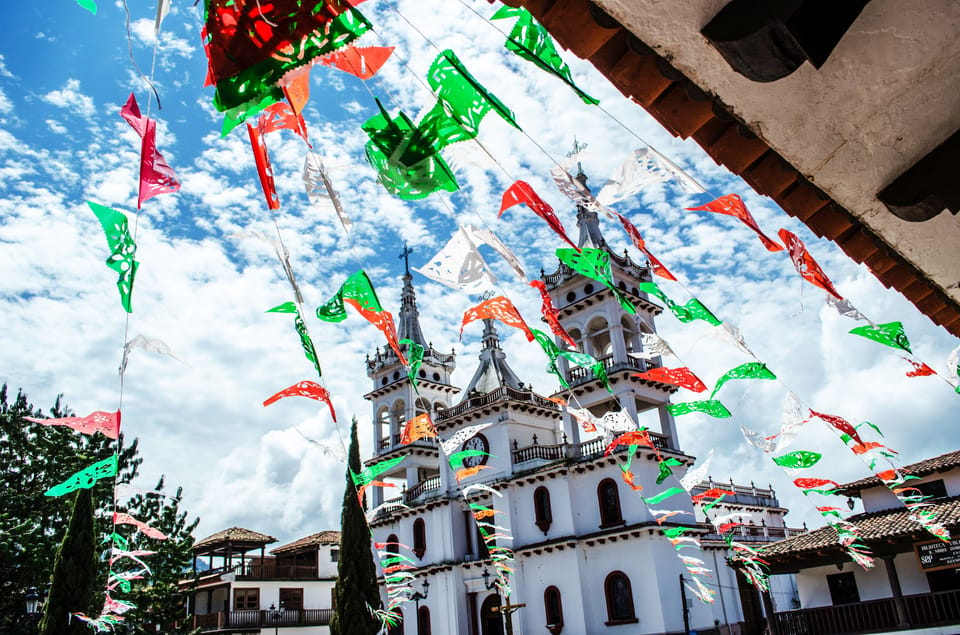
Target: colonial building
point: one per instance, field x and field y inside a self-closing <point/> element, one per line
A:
<point x="915" y="583"/>
<point x="589" y="556"/>
<point x="237" y="588"/>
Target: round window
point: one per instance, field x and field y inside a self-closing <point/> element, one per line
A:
<point x="571" y="296"/>
<point x="436" y="377"/>
<point x="588" y="289"/>
<point x="396" y="375"/>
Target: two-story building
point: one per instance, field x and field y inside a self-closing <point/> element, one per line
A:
<point x="915" y="583"/>
<point x="238" y="588"/>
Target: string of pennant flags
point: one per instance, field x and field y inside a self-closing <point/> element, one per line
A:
<point x="259" y="59"/>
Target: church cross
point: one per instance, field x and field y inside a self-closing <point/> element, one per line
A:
<point x="405" y="256"/>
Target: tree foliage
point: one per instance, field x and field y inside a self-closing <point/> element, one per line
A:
<point x="356" y="591"/>
<point x="33" y="458"/>
<point x="74" y="572"/>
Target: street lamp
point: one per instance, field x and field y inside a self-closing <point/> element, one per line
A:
<point x="275" y="615"/>
<point x="416" y="597"/>
<point x="504" y="609"/>
<point x="33" y="602"/>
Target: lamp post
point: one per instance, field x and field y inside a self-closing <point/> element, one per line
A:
<point x="33" y="602"/>
<point x="416" y="597"/>
<point x="504" y="609"/>
<point x="275" y="615"/>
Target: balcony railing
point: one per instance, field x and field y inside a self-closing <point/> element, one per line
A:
<point x="503" y="392"/>
<point x="924" y="610"/>
<point x="742" y="495"/>
<point x="388" y="443"/>
<point x="758" y="533"/>
<point x="597" y="446"/>
<point x="579" y="374"/>
<point x="272" y="570"/>
<point x="254" y="620"/>
<point x="544" y="452"/>
<point x="421" y="488"/>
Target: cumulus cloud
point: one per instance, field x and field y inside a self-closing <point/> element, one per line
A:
<point x="70" y="98"/>
<point x="204" y="291"/>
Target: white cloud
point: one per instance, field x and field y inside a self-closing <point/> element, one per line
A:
<point x="70" y="98"/>
<point x="56" y="126"/>
<point x="201" y="422"/>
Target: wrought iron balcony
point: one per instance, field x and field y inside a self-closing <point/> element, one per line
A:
<point x="255" y="620"/>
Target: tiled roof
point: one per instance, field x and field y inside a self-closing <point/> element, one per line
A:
<point x="235" y="534"/>
<point x="921" y="468"/>
<point x="874" y="527"/>
<point x="322" y="538"/>
<point x="685" y="110"/>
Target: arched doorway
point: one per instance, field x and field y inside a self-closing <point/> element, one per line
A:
<point x="491" y="622"/>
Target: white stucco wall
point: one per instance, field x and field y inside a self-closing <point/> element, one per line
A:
<point x="884" y="98"/>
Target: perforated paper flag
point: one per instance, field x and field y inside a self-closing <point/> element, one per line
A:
<point x="105" y="423"/>
<point x="532" y="42"/>
<point x="308" y="389"/>
<point x="890" y="334"/>
<point x="86" y="478"/>
<point x="123" y="250"/>
<point x="805" y="265"/>
<point x="732" y="205"/>
<point x="521" y="193"/>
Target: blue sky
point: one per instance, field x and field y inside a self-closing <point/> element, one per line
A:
<point x="64" y="75"/>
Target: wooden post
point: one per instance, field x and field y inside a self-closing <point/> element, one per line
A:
<point x="773" y="626"/>
<point x="902" y="620"/>
<point x="686" y="611"/>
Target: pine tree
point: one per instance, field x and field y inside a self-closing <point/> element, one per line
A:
<point x="356" y="591"/>
<point x="158" y="599"/>
<point x="74" y="572"/>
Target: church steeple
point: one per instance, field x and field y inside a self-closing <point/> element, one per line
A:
<point x="409" y="326"/>
<point x="493" y="371"/>
<point x="588" y="221"/>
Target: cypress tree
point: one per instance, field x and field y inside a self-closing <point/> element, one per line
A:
<point x="74" y="572"/>
<point x="356" y="590"/>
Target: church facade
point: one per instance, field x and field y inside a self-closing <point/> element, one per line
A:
<point x="589" y="558"/>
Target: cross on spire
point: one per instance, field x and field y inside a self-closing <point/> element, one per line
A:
<point x="405" y="256"/>
<point x="577" y="147"/>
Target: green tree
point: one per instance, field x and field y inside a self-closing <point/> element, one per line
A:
<point x="158" y="599"/>
<point x="356" y="590"/>
<point x="33" y="458"/>
<point x="74" y="572"/>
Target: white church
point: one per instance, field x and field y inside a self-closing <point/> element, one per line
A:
<point x="589" y="557"/>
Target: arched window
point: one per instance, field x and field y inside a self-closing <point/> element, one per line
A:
<point x="383" y="419"/>
<point x="553" y="608"/>
<point x="577" y="337"/>
<point x="422" y="406"/>
<point x="630" y="337"/>
<point x="541" y="508"/>
<point x="608" y="497"/>
<point x="619" y="599"/>
<point x="399" y="416"/>
<point x="423" y="621"/>
<point x="599" y="334"/>
<point x="393" y="545"/>
<point x="419" y="537"/>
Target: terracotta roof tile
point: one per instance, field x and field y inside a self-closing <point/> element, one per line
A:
<point x="234" y="534"/>
<point x="940" y="463"/>
<point x="874" y="527"/>
<point x="322" y="538"/>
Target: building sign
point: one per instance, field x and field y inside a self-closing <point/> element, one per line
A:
<point x="936" y="554"/>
